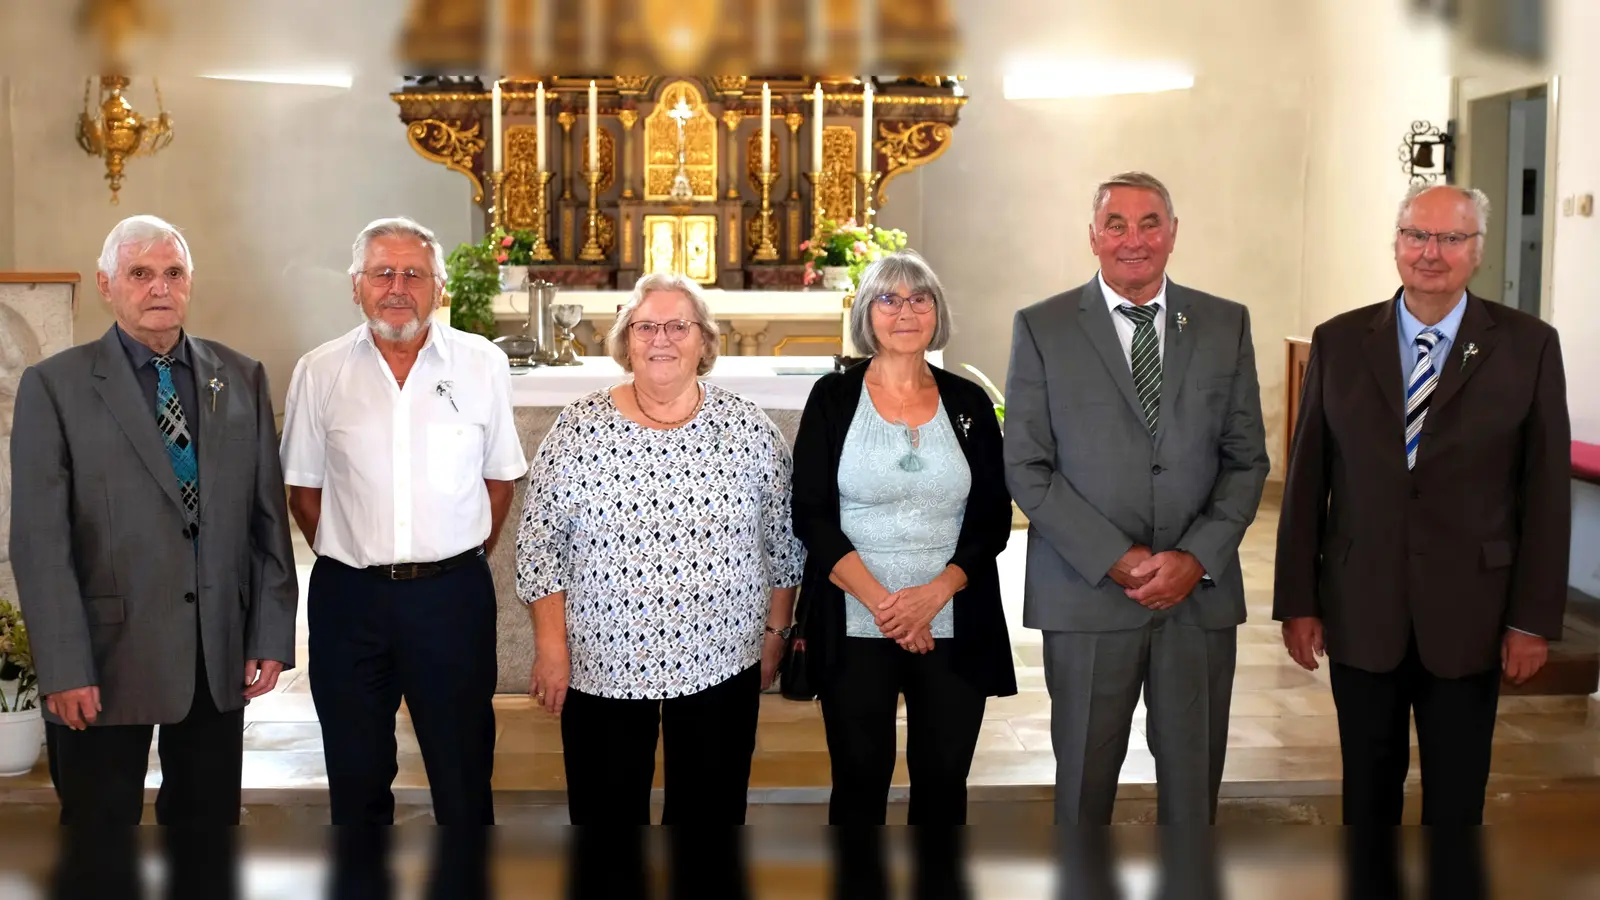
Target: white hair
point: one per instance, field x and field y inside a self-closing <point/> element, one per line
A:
<point x="143" y="232"/>
<point x="397" y="226"/>
<point x="1480" y="202"/>
<point x="663" y="283"/>
<point x="905" y="267"/>
<point x="1142" y="180"/>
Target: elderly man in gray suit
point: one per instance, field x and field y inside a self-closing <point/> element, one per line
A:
<point x="151" y="547"/>
<point x="1134" y="445"/>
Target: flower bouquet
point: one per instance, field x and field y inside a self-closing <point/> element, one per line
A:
<point x="843" y="252"/>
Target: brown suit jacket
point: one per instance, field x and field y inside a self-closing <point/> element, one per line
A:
<point x="1471" y="542"/>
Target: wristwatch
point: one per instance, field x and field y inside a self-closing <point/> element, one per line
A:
<point x="782" y="633"/>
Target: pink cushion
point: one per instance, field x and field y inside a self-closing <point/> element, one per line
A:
<point x="1586" y="461"/>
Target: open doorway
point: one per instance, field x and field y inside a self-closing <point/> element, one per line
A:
<point x="1507" y="145"/>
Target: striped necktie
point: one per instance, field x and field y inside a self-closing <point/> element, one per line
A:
<point x="1145" y="359"/>
<point x="175" y="434"/>
<point x="1419" y="387"/>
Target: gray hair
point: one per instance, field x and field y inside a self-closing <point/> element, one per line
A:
<point x="905" y="267"/>
<point x="1141" y="180"/>
<point x="143" y="231"/>
<point x="1480" y="202"/>
<point x="663" y="283"/>
<point x="397" y="226"/>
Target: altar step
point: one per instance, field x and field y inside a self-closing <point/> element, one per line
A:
<point x="1574" y="665"/>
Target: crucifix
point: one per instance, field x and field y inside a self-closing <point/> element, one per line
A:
<point x="681" y="191"/>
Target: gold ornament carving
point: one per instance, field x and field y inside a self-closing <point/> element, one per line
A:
<point x="729" y="84"/>
<point x="627" y="117"/>
<point x="608" y="232"/>
<point x="608" y="160"/>
<point x="839" y="157"/>
<point x="794" y="120"/>
<point x="752" y="156"/>
<point x="661" y="144"/>
<point x="521" y="187"/>
<point x="904" y="146"/>
<point x="632" y="84"/>
<point x="448" y="142"/>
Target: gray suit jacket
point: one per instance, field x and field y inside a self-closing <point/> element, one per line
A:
<point x="114" y="590"/>
<point x="1082" y="465"/>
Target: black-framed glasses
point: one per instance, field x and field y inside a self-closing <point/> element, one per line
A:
<point x="1416" y="238"/>
<point x="386" y="277"/>
<point x="676" y="330"/>
<point x="921" y="302"/>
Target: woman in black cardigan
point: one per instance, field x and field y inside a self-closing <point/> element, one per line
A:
<point x="900" y="499"/>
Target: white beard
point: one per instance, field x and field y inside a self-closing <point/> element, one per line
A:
<point x="398" y="334"/>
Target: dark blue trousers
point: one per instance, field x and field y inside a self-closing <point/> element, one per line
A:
<point x="432" y="642"/>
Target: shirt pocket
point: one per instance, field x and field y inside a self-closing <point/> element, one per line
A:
<point x="455" y="456"/>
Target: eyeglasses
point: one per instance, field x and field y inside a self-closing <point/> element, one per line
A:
<point x="921" y="302"/>
<point x="1416" y="238"/>
<point x="385" y="278"/>
<point x="676" y="330"/>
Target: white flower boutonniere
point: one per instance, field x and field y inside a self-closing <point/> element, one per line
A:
<point x="446" y="389"/>
<point x="215" y="387"/>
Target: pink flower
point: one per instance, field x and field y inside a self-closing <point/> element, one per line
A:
<point x="860" y="247"/>
<point x="805" y="245"/>
<point x="508" y="241"/>
<point x="501" y="258"/>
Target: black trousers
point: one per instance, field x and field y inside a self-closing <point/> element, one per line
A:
<point x="943" y="716"/>
<point x="609" y="749"/>
<point x="1455" y="728"/>
<point x="99" y="776"/>
<point x="432" y="642"/>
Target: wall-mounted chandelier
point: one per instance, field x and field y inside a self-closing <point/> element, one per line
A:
<point x="118" y="132"/>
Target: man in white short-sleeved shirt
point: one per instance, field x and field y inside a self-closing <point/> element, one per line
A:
<point x="401" y="456"/>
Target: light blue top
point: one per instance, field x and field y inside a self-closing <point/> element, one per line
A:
<point x="1411" y="326"/>
<point x="901" y="506"/>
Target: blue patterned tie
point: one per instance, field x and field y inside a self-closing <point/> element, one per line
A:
<point x="1424" y="378"/>
<point x="175" y="434"/>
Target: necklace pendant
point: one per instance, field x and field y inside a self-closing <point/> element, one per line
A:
<point x="910" y="463"/>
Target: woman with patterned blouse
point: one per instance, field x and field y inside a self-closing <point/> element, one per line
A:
<point x="900" y="499"/>
<point x="658" y="560"/>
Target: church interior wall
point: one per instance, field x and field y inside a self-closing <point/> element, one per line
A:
<point x="1574" y="296"/>
<point x="8" y="207"/>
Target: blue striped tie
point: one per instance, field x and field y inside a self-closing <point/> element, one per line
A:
<point x="175" y="434"/>
<point x="1419" y="387"/>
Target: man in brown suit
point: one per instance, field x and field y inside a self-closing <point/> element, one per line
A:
<point x="1424" y="536"/>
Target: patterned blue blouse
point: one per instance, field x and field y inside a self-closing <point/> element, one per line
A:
<point x="901" y="505"/>
<point x="667" y="542"/>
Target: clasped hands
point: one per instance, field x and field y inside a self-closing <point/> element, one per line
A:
<point x="1157" y="580"/>
<point x="904" y="616"/>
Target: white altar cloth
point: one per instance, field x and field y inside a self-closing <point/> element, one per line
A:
<point x="775" y="306"/>
<point x="771" y="382"/>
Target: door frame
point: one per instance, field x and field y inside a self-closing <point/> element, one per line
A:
<point x="1466" y="90"/>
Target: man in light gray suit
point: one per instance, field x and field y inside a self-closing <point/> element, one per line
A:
<point x="1134" y="445"/>
<point x="151" y="547"/>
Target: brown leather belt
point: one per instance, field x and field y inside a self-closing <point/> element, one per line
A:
<point x="413" y="571"/>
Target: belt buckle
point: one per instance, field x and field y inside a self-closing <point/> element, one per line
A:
<point x="410" y="570"/>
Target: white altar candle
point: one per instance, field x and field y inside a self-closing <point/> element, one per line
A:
<point x="766" y="129"/>
<point x="594" y="129"/>
<point x="816" y="129"/>
<point x="866" y="128"/>
<point x="495" y="101"/>
<point x="538" y="105"/>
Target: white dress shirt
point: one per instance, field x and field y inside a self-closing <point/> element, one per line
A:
<point x="1125" y="326"/>
<point x="401" y="470"/>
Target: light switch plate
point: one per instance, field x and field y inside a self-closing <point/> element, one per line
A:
<point x="1566" y="206"/>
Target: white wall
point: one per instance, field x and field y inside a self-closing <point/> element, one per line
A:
<point x="8" y="209"/>
<point x="270" y="184"/>
<point x="1006" y="210"/>
<point x="1575" y="297"/>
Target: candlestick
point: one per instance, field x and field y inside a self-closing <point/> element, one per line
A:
<point x="499" y="209"/>
<point x="495" y="118"/>
<point x="816" y="128"/>
<point x="766" y="130"/>
<point x="594" y="129"/>
<point x="541" y="249"/>
<point x="591" y="251"/>
<point x="766" y="252"/>
<point x="539" y="112"/>
<point x="566" y="119"/>
<point x="868" y="180"/>
<point x="818" y="211"/>
<point x="866" y="129"/>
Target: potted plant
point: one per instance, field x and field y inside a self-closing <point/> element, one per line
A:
<point x="472" y="279"/>
<point x="843" y="252"/>
<point x="514" y="253"/>
<point x="21" y="723"/>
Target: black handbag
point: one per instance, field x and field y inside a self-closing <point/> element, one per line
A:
<point x="794" y="676"/>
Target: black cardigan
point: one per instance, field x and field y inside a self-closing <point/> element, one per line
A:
<point x="982" y="648"/>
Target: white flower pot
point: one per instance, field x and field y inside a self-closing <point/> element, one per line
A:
<point x="21" y="736"/>
<point x="513" y="278"/>
<point x="836" y="278"/>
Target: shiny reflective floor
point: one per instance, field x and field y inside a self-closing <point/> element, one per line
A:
<point x="1283" y="761"/>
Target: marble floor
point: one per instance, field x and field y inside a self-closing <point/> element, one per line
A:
<point x="1283" y="761"/>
